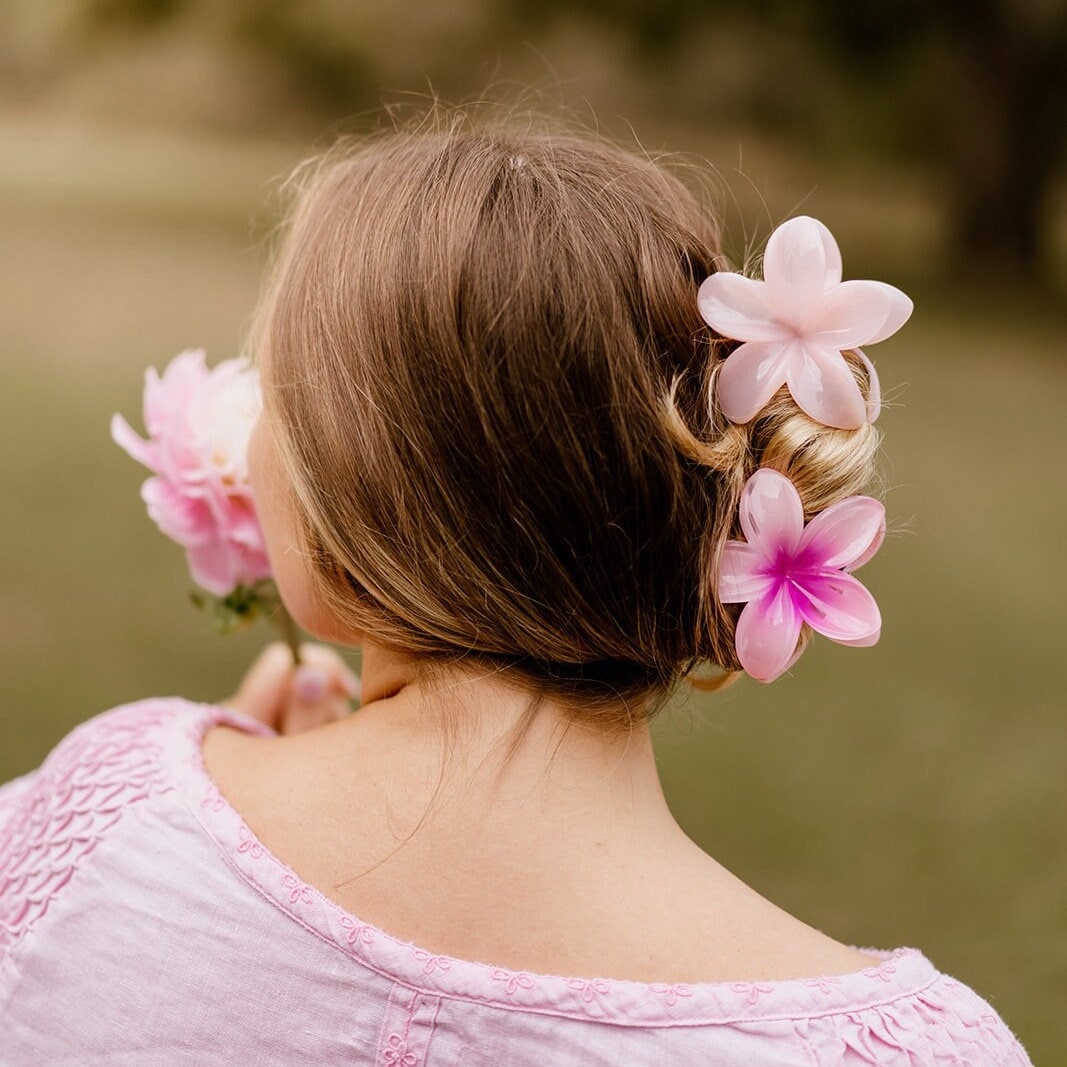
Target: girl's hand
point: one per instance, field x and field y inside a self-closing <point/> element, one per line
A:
<point x="290" y="699"/>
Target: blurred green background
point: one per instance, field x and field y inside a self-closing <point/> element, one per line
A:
<point x="908" y="794"/>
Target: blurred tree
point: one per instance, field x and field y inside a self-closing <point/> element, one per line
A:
<point x="993" y="72"/>
<point x="1000" y="112"/>
<point x="323" y="66"/>
<point x="1004" y="127"/>
<point x="132" y="12"/>
<point x="981" y="85"/>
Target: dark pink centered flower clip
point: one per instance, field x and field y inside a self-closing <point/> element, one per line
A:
<point x="795" y="324"/>
<point x="787" y="574"/>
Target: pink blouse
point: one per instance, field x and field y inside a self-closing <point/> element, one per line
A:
<point x="142" y="923"/>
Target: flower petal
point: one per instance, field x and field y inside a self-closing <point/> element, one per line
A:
<point x="862" y="642"/>
<point x="839" y="607"/>
<point x="801" y="261"/>
<point x="846" y="535"/>
<point x="235" y="517"/>
<point x="124" y="435"/>
<point x="767" y="634"/>
<point x="869" y="553"/>
<point x="216" y="566"/>
<point x="737" y="307"/>
<point x="874" y="388"/>
<point x="741" y="577"/>
<point x="167" y="396"/>
<point x="182" y="518"/>
<point x="772" y="516"/>
<point x="256" y="565"/>
<point x="856" y="313"/>
<point x="822" y="384"/>
<point x="751" y="375"/>
<point x="900" y="309"/>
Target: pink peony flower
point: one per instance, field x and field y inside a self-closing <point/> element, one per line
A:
<point x="786" y="573"/>
<point x="199" y="422"/>
<point x="795" y="325"/>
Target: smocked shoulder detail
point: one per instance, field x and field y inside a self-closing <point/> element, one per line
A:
<point x="55" y="816"/>
<point x="10" y="795"/>
<point x="897" y="1006"/>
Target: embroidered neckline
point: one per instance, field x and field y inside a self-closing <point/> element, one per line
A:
<point x="899" y="973"/>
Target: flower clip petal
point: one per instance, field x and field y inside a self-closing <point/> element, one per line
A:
<point x="823" y="386"/>
<point x="847" y="534"/>
<point x="798" y="321"/>
<point x="786" y="573"/>
<point x="801" y="260"/>
<point x="767" y="634"/>
<point x="739" y="306"/>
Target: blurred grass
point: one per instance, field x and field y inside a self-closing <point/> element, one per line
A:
<point x="908" y="794"/>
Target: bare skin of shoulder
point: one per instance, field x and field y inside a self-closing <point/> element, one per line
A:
<point x="557" y="856"/>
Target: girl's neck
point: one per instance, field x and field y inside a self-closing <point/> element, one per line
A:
<point x="445" y="814"/>
<point x="491" y="741"/>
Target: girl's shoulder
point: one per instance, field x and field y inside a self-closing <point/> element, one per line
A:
<point x="847" y="1000"/>
<point x="118" y="747"/>
<point x="899" y="1010"/>
<point x="118" y="751"/>
<point x="54" y="817"/>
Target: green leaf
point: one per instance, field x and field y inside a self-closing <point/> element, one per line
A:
<point x="239" y="608"/>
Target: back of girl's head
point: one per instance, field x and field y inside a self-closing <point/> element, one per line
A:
<point x="489" y="384"/>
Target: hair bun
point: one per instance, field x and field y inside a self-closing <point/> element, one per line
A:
<point x="467" y="366"/>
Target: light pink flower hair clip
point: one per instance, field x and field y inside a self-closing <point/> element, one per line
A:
<point x="787" y="574"/>
<point x="795" y="325"/>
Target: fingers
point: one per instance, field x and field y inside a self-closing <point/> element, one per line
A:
<point x="320" y="691"/>
<point x="326" y="662"/>
<point x="263" y="689"/>
<point x="290" y="700"/>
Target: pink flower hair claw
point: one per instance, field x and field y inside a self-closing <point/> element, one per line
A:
<point x="795" y="325"/>
<point x="786" y="573"/>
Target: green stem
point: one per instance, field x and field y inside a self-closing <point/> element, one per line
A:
<point x="289" y="632"/>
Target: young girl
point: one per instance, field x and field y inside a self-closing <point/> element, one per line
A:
<point x="511" y="448"/>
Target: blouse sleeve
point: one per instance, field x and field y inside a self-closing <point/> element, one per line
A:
<point x="11" y="793"/>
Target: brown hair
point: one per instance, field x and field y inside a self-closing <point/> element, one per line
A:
<point x="490" y="387"/>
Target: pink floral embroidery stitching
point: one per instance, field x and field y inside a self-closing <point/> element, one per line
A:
<point x="213" y="800"/>
<point x="751" y="991"/>
<point x="883" y="971"/>
<point x="824" y="984"/>
<point x="671" y="993"/>
<point x="396" y="1052"/>
<point x="430" y="962"/>
<point x="358" y="931"/>
<point x="415" y="968"/>
<point x="248" y="843"/>
<point x="298" y="892"/>
<point x="588" y="989"/>
<point x="512" y="981"/>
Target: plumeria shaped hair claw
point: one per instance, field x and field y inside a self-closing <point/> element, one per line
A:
<point x="786" y="573"/>
<point x="795" y="325"/>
